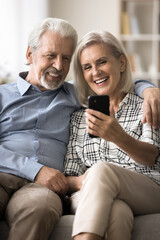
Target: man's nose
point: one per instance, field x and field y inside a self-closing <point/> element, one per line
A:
<point x="58" y="64"/>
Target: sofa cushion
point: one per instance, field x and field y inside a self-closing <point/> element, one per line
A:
<point x="63" y="228"/>
<point x="146" y="227"/>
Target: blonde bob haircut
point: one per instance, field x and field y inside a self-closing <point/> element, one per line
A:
<point x="82" y="88"/>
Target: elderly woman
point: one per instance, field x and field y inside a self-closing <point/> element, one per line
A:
<point x="125" y="181"/>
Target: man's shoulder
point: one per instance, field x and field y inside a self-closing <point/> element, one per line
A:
<point x="8" y="86"/>
<point x="69" y="86"/>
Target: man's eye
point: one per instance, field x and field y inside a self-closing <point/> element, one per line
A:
<point x="67" y="59"/>
<point x="102" y="62"/>
<point x="51" y="56"/>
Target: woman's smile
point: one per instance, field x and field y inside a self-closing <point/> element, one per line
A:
<point x="101" y="81"/>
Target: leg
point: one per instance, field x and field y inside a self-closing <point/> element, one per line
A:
<point x="87" y="236"/>
<point x="103" y="184"/>
<point x="32" y="212"/>
<point x="8" y="185"/>
<point x="75" y="198"/>
<point x="120" y="222"/>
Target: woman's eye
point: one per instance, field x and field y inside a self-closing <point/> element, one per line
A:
<point x="86" y="68"/>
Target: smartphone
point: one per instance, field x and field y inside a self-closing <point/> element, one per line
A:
<point x="99" y="103"/>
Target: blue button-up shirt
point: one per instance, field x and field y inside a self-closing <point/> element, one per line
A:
<point x="34" y="127"/>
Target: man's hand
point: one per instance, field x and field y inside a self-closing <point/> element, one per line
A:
<point x="52" y="179"/>
<point x="151" y="107"/>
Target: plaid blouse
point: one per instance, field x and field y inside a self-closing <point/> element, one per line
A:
<point x="84" y="151"/>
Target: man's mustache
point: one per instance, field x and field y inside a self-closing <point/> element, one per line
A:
<point x="55" y="71"/>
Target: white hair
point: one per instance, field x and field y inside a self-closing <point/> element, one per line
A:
<point x="60" y="26"/>
<point x="82" y="88"/>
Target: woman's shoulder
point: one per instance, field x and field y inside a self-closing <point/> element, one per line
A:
<point x="133" y="99"/>
<point x="79" y="113"/>
<point x="78" y="120"/>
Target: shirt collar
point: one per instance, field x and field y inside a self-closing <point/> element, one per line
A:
<point x="23" y="85"/>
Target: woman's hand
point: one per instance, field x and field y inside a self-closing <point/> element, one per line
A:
<point x="103" y="126"/>
<point x="109" y="129"/>
<point x="151" y="107"/>
<point x="75" y="183"/>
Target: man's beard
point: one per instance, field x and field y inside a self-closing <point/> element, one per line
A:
<point x="51" y="84"/>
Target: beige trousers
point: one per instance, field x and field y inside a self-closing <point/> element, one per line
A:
<point x="31" y="210"/>
<point x="109" y="198"/>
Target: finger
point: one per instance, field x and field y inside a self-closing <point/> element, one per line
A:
<point x="92" y="121"/>
<point x="147" y="113"/>
<point x="59" y="182"/>
<point x="62" y="183"/>
<point x="59" y="188"/>
<point x="154" y="110"/>
<point x="96" y="114"/>
<point x="92" y="131"/>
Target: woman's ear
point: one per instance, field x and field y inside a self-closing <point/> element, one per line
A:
<point x="29" y="55"/>
<point x="123" y="62"/>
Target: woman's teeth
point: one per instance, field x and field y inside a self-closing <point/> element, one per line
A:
<point x="101" y="80"/>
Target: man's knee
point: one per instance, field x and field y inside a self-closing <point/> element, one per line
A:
<point x="36" y="202"/>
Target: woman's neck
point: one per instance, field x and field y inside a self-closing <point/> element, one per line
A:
<point x="115" y="101"/>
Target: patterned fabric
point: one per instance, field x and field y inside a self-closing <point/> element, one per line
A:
<point x="84" y="151"/>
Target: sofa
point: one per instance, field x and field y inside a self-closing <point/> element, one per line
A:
<point x="146" y="227"/>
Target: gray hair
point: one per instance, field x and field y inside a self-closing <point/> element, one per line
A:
<point x="82" y="88"/>
<point x="60" y="26"/>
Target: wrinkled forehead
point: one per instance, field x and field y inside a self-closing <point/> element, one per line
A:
<point x="51" y="41"/>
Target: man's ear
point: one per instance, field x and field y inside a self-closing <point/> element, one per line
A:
<point x="123" y="62"/>
<point x="29" y="55"/>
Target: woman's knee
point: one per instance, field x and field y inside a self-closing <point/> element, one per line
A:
<point x="102" y="172"/>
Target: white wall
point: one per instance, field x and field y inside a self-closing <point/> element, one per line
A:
<point x="87" y="15"/>
<point x="18" y="16"/>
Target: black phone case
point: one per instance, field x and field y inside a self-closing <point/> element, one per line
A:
<point x="99" y="103"/>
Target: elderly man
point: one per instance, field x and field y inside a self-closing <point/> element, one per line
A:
<point x="34" y="130"/>
<point x="34" y="120"/>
